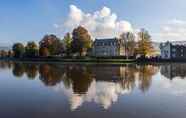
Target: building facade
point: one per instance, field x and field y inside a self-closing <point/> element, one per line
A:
<point x="107" y="47"/>
<point x="173" y="51"/>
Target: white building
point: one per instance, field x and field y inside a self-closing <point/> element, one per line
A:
<point x="173" y="50"/>
<point x="165" y="50"/>
<point x="107" y="47"/>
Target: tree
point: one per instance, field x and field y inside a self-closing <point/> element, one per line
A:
<point x="18" y="49"/>
<point x="10" y="53"/>
<point x="145" y="47"/>
<point x="52" y="43"/>
<point x="128" y="41"/>
<point x="43" y="51"/>
<point x="31" y="49"/>
<point x="67" y="42"/>
<point x="81" y="40"/>
<point x="3" y="53"/>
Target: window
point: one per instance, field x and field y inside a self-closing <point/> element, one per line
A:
<point x="98" y="43"/>
<point x="110" y="43"/>
<point x="174" y="49"/>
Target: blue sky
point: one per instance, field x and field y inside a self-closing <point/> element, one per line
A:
<point x="27" y="20"/>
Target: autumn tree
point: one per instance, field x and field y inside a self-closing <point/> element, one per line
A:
<point x="18" y="49"/>
<point x="81" y="40"/>
<point x="67" y="42"/>
<point x="31" y="49"/>
<point x="127" y="40"/>
<point x="52" y="43"/>
<point x="3" y="53"/>
<point x="43" y="51"/>
<point x="145" y="46"/>
<point x="10" y="53"/>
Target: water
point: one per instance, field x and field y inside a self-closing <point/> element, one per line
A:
<point x="41" y="90"/>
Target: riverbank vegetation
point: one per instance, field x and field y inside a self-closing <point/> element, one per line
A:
<point x="79" y="44"/>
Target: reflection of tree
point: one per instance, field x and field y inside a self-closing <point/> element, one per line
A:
<point x="31" y="70"/>
<point x="66" y="81"/>
<point x="128" y="81"/>
<point x="50" y="75"/>
<point x="126" y="75"/>
<point x="18" y="69"/>
<point x="80" y="78"/>
<point x="145" y="76"/>
<point x="5" y="64"/>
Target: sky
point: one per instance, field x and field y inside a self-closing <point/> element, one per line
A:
<point x="30" y="20"/>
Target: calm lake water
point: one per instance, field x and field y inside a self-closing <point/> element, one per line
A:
<point x="41" y="90"/>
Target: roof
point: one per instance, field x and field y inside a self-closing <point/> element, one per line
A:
<point x="106" y="40"/>
<point x="176" y="43"/>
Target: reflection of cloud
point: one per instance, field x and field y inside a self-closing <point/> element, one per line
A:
<point x="107" y="93"/>
<point x="103" y="93"/>
<point x="176" y="86"/>
<point x="76" y="101"/>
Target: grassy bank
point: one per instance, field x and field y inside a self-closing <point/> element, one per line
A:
<point x="94" y="60"/>
<point x="75" y="60"/>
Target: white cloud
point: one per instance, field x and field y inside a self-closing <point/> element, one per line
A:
<point x="173" y="30"/>
<point x="100" y="24"/>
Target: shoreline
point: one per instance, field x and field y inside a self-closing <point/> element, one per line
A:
<point x="93" y="60"/>
<point x="76" y="61"/>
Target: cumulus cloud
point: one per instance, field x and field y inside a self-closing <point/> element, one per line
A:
<point x="173" y="30"/>
<point x="101" y="24"/>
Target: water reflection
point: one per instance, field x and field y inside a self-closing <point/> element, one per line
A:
<point x="94" y="83"/>
<point x="174" y="70"/>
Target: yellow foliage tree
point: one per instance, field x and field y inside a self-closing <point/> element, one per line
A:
<point x="144" y="46"/>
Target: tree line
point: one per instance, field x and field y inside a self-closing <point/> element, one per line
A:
<point x="79" y="43"/>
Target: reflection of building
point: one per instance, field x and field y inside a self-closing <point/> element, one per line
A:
<point x="173" y="70"/>
<point x="107" y="47"/>
<point x="173" y="51"/>
<point x="108" y="73"/>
